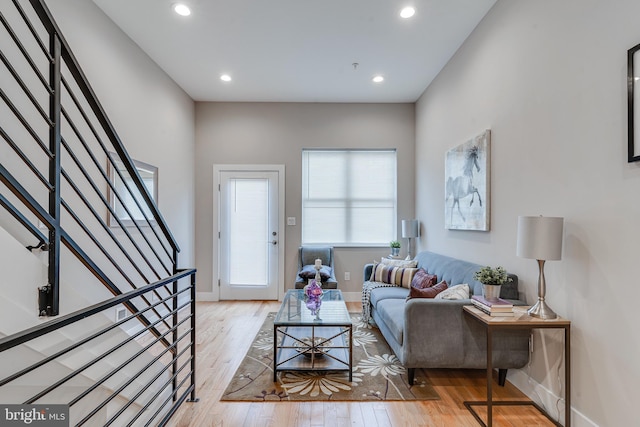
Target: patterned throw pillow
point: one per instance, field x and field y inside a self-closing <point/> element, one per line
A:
<point x="399" y="262"/>
<point x="392" y="275"/>
<point x="422" y="279"/>
<point x="430" y="292"/>
<point x="455" y="292"/>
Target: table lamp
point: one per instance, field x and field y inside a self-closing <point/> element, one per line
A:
<point x="540" y="238"/>
<point x="410" y="230"/>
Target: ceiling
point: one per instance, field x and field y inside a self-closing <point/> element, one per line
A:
<point x="299" y="50"/>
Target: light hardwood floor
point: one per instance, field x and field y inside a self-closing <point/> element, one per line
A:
<point x="225" y="331"/>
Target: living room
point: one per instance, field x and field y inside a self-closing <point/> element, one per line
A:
<point x="547" y="77"/>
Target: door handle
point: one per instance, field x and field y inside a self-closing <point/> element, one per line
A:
<point x="274" y="242"/>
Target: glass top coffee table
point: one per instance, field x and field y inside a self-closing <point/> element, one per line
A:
<point x="307" y="342"/>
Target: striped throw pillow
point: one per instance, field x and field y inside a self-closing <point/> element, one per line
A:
<point x="393" y="275"/>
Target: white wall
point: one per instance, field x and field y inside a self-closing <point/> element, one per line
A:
<point x="152" y="115"/>
<point x="276" y="133"/>
<point x="549" y="79"/>
<point x="23" y="274"/>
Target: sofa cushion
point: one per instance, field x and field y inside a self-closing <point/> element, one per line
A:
<point x="404" y="263"/>
<point x="455" y="292"/>
<point x="393" y="275"/>
<point x="391" y="311"/>
<point x="422" y="279"/>
<point x="404" y="276"/>
<point x="394" y="292"/>
<point x="429" y="292"/>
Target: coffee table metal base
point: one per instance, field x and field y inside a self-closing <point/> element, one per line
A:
<point x="312" y="348"/>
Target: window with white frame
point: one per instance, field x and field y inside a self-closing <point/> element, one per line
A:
<point x="349" y="197"/>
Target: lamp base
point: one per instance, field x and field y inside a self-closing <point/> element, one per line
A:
<point x="542" y="310"/>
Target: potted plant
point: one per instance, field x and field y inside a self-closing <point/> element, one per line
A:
<point x="492" y="280"/>
<point x="395" y="247"/>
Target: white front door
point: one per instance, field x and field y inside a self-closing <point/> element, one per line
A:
<point x="249" y="235"/>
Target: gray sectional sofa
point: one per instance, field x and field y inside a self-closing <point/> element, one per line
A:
<point x="435" y="333"/>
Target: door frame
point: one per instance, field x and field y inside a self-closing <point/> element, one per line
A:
<point x="215" y="262"/>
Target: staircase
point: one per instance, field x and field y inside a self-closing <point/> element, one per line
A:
<point x="95" y="312"/>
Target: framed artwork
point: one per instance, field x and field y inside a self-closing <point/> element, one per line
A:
<point x="149" y="175"/>
<point x="467" y="186"/>
<point x="633" y="104"/>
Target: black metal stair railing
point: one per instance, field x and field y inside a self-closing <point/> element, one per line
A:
<point x="158" y="388"/>
<point x="81" y="159"/>
<point x="70" y="189"/>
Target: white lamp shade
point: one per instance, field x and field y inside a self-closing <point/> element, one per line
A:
<point x="540" y="237"/>
<point x="409" y="228"/>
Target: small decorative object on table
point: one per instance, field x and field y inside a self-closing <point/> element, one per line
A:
<point x="410" y="230"/>
<point x="313" y="291"/>
<point x="318" y="346"/>
<point x="492" y="280"/>
<point x="497" y="307"/>
<point x="318" y="266"/>
<point x="395" y="248"/>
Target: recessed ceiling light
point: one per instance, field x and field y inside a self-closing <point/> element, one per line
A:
<point x="377" y="79"/>
<point x="407" y="12"/>
<point x="225" y="78"/>
<point x="181" y="9"/>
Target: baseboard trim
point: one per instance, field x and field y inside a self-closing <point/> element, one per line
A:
<point x="206" y="296"/>
<point x="546" y="398"/>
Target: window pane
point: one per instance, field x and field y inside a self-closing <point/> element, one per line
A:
<point x="248" y="224"/>
<point x="325" y="225"/>
<point x="373" y="175"/>
<point x="327" y="171"/>
<point x="348" y="197"/>
<point x="372" y="225"/>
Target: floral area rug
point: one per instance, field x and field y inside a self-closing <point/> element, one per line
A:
<point x="377" y="374"/>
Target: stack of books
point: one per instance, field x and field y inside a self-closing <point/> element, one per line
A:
<point x="497" y="307"/>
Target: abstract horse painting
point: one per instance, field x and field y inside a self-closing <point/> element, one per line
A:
<point x="467" y="184"/>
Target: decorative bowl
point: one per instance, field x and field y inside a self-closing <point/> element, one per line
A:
<point x="306" y="346"/>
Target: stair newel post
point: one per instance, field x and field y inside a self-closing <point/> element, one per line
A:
<point x="193" y="338"/>
<point x="174" y="300"/>
<point x="52" y="296"/>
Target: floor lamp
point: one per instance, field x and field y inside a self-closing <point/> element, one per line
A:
<point x="410" y="230"/>
<point x="540" y="238"/>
